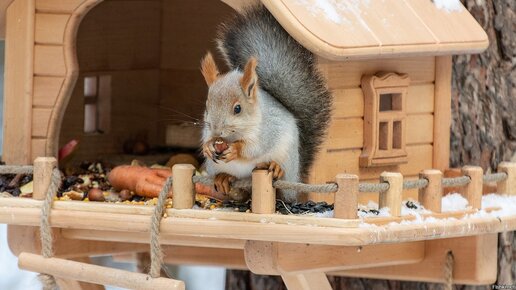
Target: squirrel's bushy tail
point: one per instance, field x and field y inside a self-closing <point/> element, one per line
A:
<point x="286" y="70"/>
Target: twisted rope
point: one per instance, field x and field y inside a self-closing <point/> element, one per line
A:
<point x="302" y="187"/>
<point x="373" y="187"/>
<point x="16" y="169"/>
<point x="362" y="187"/>
<point x="45" y="231"/>
<point x="413" y="184"/>
<point x="456" y="181"/>
<point x="494" y="177"/>
<point x="156" y="252"/>
<point x="448" y="271"/>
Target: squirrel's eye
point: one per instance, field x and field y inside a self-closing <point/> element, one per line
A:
<point x="237" y="109"/>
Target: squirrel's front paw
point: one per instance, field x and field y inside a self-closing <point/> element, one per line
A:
<point x="223" y="181"/>
<point x="274" y="167"/>
<point x="232" y="152"/>
<point x="208" y="150"/>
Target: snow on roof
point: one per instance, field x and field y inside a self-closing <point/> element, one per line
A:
<point x="339" y="30"/>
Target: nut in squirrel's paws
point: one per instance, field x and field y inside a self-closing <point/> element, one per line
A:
<point x="223" y="181"/>
<point x="274" y="167"/>
<point x="231" y="151"/>
<point x="214" y="148"/>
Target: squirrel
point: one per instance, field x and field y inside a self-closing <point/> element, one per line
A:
<point x="270" y="111"/>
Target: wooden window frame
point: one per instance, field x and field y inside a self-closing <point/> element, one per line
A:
<point x="373" y="87"/>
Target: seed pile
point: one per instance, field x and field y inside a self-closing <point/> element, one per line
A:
<point x="16" y="185"/>
<point x="302" y="208"/>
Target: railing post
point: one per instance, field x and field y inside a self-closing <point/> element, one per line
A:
<point x="431" y="195"/>
<point x="392" y="198"/>
<point x="508" y="185"/>
<point x="346" y="197"/>
<point x="263" y="193"/>
<point x="182" y="186"/>
<point x="473" y="190"/>
<point x="43" y="167"/>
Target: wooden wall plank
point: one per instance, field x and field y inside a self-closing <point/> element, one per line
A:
<point x="49" y="60"/>
<point x="348" y="133"/>
<point x="345" y="134"/>
<point x="332" y="163"/>
<point x="420" y="99"/>
<point x="50" y="28"/>
<point x="38" y="148"/>
<point x="19" y="51"/>
<point x="40" y="121"/>
<point x="121" y="35"/>
<point x="46" y="90"/>
<point x="348" y="74"/>
<point x="420" y="129"/>
<point x="63" y="6"/>
<point x="348" y="103"/>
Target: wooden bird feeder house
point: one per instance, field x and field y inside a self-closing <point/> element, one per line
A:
<point x="104" y="72"/>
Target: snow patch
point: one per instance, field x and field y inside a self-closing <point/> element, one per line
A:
<point x="506" y="203"/>
<point x="453" y="202"/>
<point x="336" y="11"/>
<point x="449" y="5"/>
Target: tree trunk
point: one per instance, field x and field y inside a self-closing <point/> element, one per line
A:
<point x="483" y="133"/>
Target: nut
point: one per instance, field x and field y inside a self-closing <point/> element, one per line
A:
<point x="220" y="145"/>
<point x="125" y="195"/>
<point x="96" y="194"/>
<point x="74" y="195"/>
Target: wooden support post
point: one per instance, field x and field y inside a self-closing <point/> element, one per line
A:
<point x="508" y="185"/>
<point x="473" y="190"/>
<point x="306" y="281"/>
<point x="392" y="198"/>
<point x="346" y="198"/>
<point x="430" y="196"/>
<point x="182" y="187"/>
<point x="43" y="167"/>
<point x="263" y="194"/>
<point x="94" y="274"/>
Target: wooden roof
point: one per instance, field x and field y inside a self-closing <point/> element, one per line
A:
<point x="344" y="29"/>
<point x="371" y="28"/>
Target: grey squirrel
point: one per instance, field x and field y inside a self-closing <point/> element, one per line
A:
<point x="271" y="110"/>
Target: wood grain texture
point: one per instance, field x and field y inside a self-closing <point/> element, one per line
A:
<point x="19" y="51"/>
<point x="327" y="32"/>
<point x="474" y="262"/>
<point x="49" y="60"/>
<point x="57" y="6"/>
<point x="46" y="90"/>
<point x="442" y="113"/>
<point x="40" y="121"/>
<point x="120" y="35"/>
<point x="347" y="74"/>
<point x="50" y="28"/>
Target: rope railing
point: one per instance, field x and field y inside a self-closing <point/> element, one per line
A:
<point x="332" y="187"/>
<point x="494" y="177"/>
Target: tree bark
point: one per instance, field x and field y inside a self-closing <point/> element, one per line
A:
<point x="483" y="133"/>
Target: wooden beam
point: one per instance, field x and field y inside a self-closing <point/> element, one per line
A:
<point x="19" y="65"/>
<point x="280" y="258"/>
<point x="94" y="274"/>
<point x="306" y="281"/>
<point x="475" y="263"/>
<point x="442" y="112"/>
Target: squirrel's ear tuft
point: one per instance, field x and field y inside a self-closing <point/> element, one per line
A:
<point x="209" y="69"/>
<point x="249" y="80"/>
